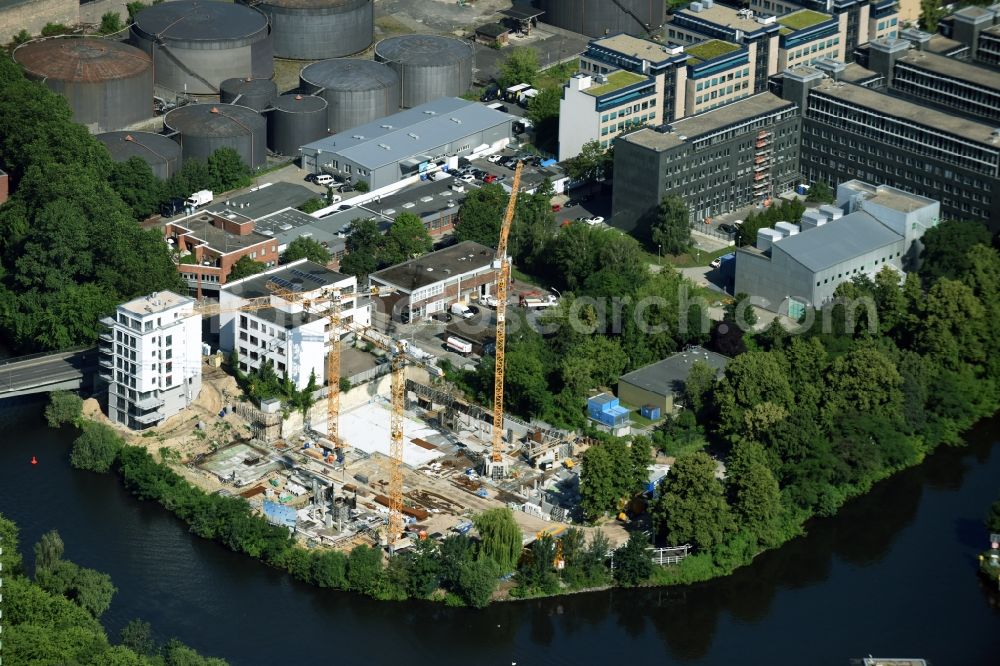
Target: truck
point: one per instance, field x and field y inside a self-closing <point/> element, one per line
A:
<point x="547" y="301"/>
<point x="513" y="94"/>
<point x="459" y="345"/>
<point x="199" y="198"/>
<point x="461" y="310"/>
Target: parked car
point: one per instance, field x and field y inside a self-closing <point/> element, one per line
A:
<point x="716" y="262"/>
<point x="479" y="173"/>
<point x="500" y="177"/>
<point x="494" y="158"/>
<point x="556" y="208"/>
<point x="727" y="229"/>
<point x="594" y="221"/>
<point x="492" y="92"/>
<point x="467" y="178"/>
<point x="489" y="178"/>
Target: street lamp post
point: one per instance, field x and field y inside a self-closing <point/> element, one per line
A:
<point x="659" y="260"/>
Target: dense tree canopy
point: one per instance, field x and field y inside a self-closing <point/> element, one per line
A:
<point x="304" y="247"/>
<point x="520" y="66"/>
<point x="245" y="267"/>
<point x="692" y="507"/>
<point x="671" y="230"/>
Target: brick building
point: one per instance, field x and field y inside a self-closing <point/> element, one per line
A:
<point x="207" y="245"/>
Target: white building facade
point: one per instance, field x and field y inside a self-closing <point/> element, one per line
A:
<point x="290" y="335"/>
<point x="151" y="358"/>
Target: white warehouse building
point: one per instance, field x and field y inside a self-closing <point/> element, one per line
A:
<point x="294" y="340"/>
<point x="151" y="358"/>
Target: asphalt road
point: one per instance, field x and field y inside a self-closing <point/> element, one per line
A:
<point x="67" y="366"/>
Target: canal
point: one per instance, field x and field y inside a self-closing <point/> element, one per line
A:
<point x="891" y="575"/>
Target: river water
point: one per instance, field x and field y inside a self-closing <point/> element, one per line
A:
<point x="892" y="575"/>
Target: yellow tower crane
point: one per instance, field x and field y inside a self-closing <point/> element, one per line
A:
<point x="496" y="467"/>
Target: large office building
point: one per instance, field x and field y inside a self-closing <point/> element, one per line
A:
<point x="718" y="161"/>
<point x="978" y="29"/>
<point x="796" y="266"/>
<point x="850" y="131"/>
<point x="435" y="281"/>
<point x="600" y="107"/>
<point x="291" y="337"/>
<point x="150" y="355"/>
<point x="857" y="20"/>
<point x="938" y="80"/>
<point x="409" y="143"/>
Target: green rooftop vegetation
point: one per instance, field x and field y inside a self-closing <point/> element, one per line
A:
<point x="713" y="48"/>
<point x="804" y="18"/>
<point x="616" y="81"/>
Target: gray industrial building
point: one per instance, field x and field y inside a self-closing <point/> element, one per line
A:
<point x="661" y="384"/>
<point x="850" y="131"/>
<point x="978" y="29"/>
<point x="792" y="267"/>
<point x="718" y="161"/>
<point x="409" y="143"/>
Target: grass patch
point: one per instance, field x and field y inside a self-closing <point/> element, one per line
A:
<point x="556" y="76"/>
<point x="804" y="18"/>
<point x="713" y="48"/>
<point x="616" y="81"/>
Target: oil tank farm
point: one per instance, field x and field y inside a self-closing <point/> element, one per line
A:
<point x="598" y="18"/>
<point x="257" y="94"/>
<point x="429" y="66"/>
<point x="318" y="29"/>
<point x="109" y="85"/>
<point x="161" y="153"/>
<point x="357" y="91"/>
<point x="294" y="121"/>
<point x="196" y="45"/>
<point x="201" y="129"/>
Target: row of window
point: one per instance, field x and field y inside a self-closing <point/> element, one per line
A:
<point x="813" y="48"/>
<point x="721" y="93"/>
<point x="840" y="276"/>
<point x="627" y="111"/>
<point x="882" y="25"/>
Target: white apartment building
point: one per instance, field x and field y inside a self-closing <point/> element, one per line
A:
<point x="151" y="358"/>
<point x="292" y="337"/>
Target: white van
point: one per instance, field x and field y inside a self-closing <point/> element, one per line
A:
<point x="323" y="179"/>
<point x="461" y="310"/>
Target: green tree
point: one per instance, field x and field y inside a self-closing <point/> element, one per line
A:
<point x="227" y="170"/>
<point x="480" y="215"/>
<point x="10" y="556"/>
<point x="364" y="570"/>
<point x="424" y="567"/>
<point x="946" y="249"/>
<point x="64" y="408"/>
<point x="535" y="571"/>
<point x="543" y="112"/>
<point x="633" y="564"/>
<point x="821" y="192"/>
<point x="48" y="551"/>
<point x="671" y="230"/>
<point x="698" y="387"/>
<point x="753" y="490"/>
<point x="751" y="379"/>
<point x="245" y="267"/>
<point x="455" y="551"/>
<point x="477" y="580"/>
<point x="96" y="448"/>
<point x="931" y="12"/>
<point x="692" y="507"/>
<point x="592" y="164"/>
<point x="952" y="327"/>
<point x="520" y="66"/>
<point x="406" y="238"/>
<point x="111" y="22"/>
<point x="500" y="537"/>
<point x="137" y="636"/>
<point x="364" y="244"/>
<point x="329" y="569"/>
<point x="867" y="380"/>
<point x="89" y="589"/>
<point x="134" y="182"/>
<point x="640" y="457"/>
<point x="594" y="362"/>
<point x="304" y="247"/>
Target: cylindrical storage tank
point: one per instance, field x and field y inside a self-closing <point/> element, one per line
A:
<point x="196" y="45"/>
<point x="429" y="66"/>
<point x="161" y="153"/>
<point x="295" y="121"/>
<point x="318" y="29"/>
<point x="599" y="18"/>
<point x="109" y="85"/>
<point x="256" y="94"/>
<point x="204" y="128"/>
<point x="356" y="91"/>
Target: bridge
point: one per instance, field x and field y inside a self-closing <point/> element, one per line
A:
<point x="67" y="370"/>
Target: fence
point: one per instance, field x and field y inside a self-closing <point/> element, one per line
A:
<point x="671" y="555"/>
<point x="705" y="229"/>
<point x="370" y="374"/>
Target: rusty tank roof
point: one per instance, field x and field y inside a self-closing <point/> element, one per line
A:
<point x="85" y="60"/>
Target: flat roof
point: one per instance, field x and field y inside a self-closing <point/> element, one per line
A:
<point x="266" y="200"/>
<point x="728" y="114"/>
<point x="158" y="301"/>
<point x="668" y="376"/>
<point x="307" y="273"/>
<point x="410" y="133"/>
<point x="940" y="44"/>
<point x="969" y="130"/>
<point x="522" y="12"/>
<point x="888" y="196"/>
<point x="202" y="227"/>
<point x="837" y="241"/>
<point x="712" y="48"/>
<point x="956" y="69"/>
<point x="723" y="16"/>
<point x="616" y="81"/>
<point x="438" y="266"/>
<point x="803" y="18"/>
<point x="634" y="47"/>
<point x="650" y="138"/>
<point x="424" y="199"/>
<point x="855" y="73"/>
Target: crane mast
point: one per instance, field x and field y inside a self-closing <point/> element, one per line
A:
<point x="496" y="468"/>
<point x="333" y="372"/>
<point x="396" y="449"/>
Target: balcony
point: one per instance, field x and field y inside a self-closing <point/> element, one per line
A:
<point x="106" y="376"/>
<point x="760" y="176"/>
<point x="149" y="403"/>
<point x="107" y="321"/>
<point x="106" y="362"/>
<point x="146" y="419"/>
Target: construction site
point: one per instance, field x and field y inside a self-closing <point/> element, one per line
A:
<point x="397" y="458"/>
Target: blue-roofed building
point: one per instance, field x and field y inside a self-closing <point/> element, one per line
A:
<point x="609" y="414"/>
<point x="279" y="514"/>
<point x="409" y="143"/>
<point x="795" y="266"/>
